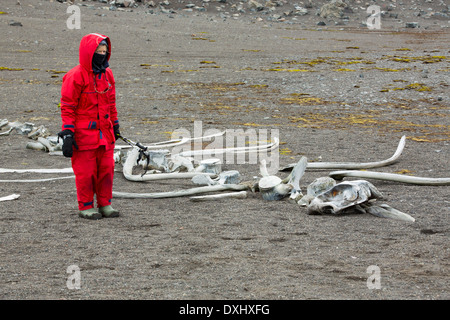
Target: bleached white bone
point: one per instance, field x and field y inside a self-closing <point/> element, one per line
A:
<point x="157" y="145"/>
<point x="263" y="168"/>
<point x="173" y="142"/>
<point x="272" y="187"/>
<point x="203" y="180"/>
<point x="237" y="150"/>
<point x="295" y="176"/>
<point x="39" y="180"/>
<point x="35" y="145"/>
<point x="22" y="128"/>
<point x="179" y="163"/>
<point x="181" y="193"/>
<point x="385" y="211"/>
<point x="64" y="170"/>
<point x="339" y="175"/>
<point x="230" y="176"/>
<point x="3" y="122"/>
<point x="6" y="133"/>
<point x="355" y="165"/>
<point x="46" y="143"/>
<point x="226" y="177"/>
<point x="40" y="131"/>
<point x="214" y="197"/>
<point x="10" y="197"/>
<point x="344" y="195"/>
<point x="131" y="160"/>
<point x="212" y="165"/>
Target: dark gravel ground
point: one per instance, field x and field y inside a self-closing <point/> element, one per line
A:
<point x="336" y="93"/>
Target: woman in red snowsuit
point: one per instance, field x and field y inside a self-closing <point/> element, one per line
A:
<point x="90" y="125"/>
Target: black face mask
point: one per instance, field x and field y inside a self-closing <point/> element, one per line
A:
<point x="98" y="60"/>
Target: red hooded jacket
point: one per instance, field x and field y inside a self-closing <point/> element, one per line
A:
<point x="88" y="101"/>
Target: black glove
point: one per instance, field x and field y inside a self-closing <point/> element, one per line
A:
<point x="116" y="132"/>
<point x="68" y="142"/>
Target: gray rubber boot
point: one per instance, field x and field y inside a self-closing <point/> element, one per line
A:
<point x="108" y="212"/>
<point x="91" y="213"/>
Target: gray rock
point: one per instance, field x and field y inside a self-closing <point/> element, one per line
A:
<point x="412" y="25"/>
<point x="15" y="23"/>
<point x="334" y="9"/>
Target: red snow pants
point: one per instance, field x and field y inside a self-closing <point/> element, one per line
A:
<point x="94" y="173"/>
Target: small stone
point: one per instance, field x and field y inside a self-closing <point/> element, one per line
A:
<point x="412" y="25"/>
<point x="15" y="23"/>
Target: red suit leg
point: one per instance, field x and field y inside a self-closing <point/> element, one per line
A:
<point x="105" y="176"/>
<point x="94" y="172"/>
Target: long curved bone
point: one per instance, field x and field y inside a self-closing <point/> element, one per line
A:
<point x="39" y="180"/>
<point x="133" y="154"/>
<point x="64" y="170"/>
<point x="355" y="165"/>
<point x="237" y="150"/>
<point x="181" y="193"/>
<point x="339" y="175"/>
<point x="158" y="145"/>
<point x="172" y="143"/>
<point x="213" y="197"/>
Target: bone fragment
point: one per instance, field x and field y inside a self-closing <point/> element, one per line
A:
<point x="229" y="177"/>
<point x="46" y="143"/>
<point x="263" y="168"/>
<point x="385" y="211"/>
<point x="202" y="180"/>
<point x="339" y="175"/>
<point x="22" y="128"/>
<point x="355" y="165"/>
<point x="10" y="197"/>
<point x="212" y="165"/>
<point x="226" y="177"/>
<point x="179" y="163"/>
<point x="3" y="122"/>
<point x="272" y="187"/>
<point x="157" y="160"/>
<point x="318" y="186"/>
<point x="181" y="193"/>
<point x="36" y="145"/>
<point x="294" y="178"/>
<point x="131" y="160"/>
<point x="213" y="197"/>
<point x="40" y="131"/>
<point x="6" y="133"/>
